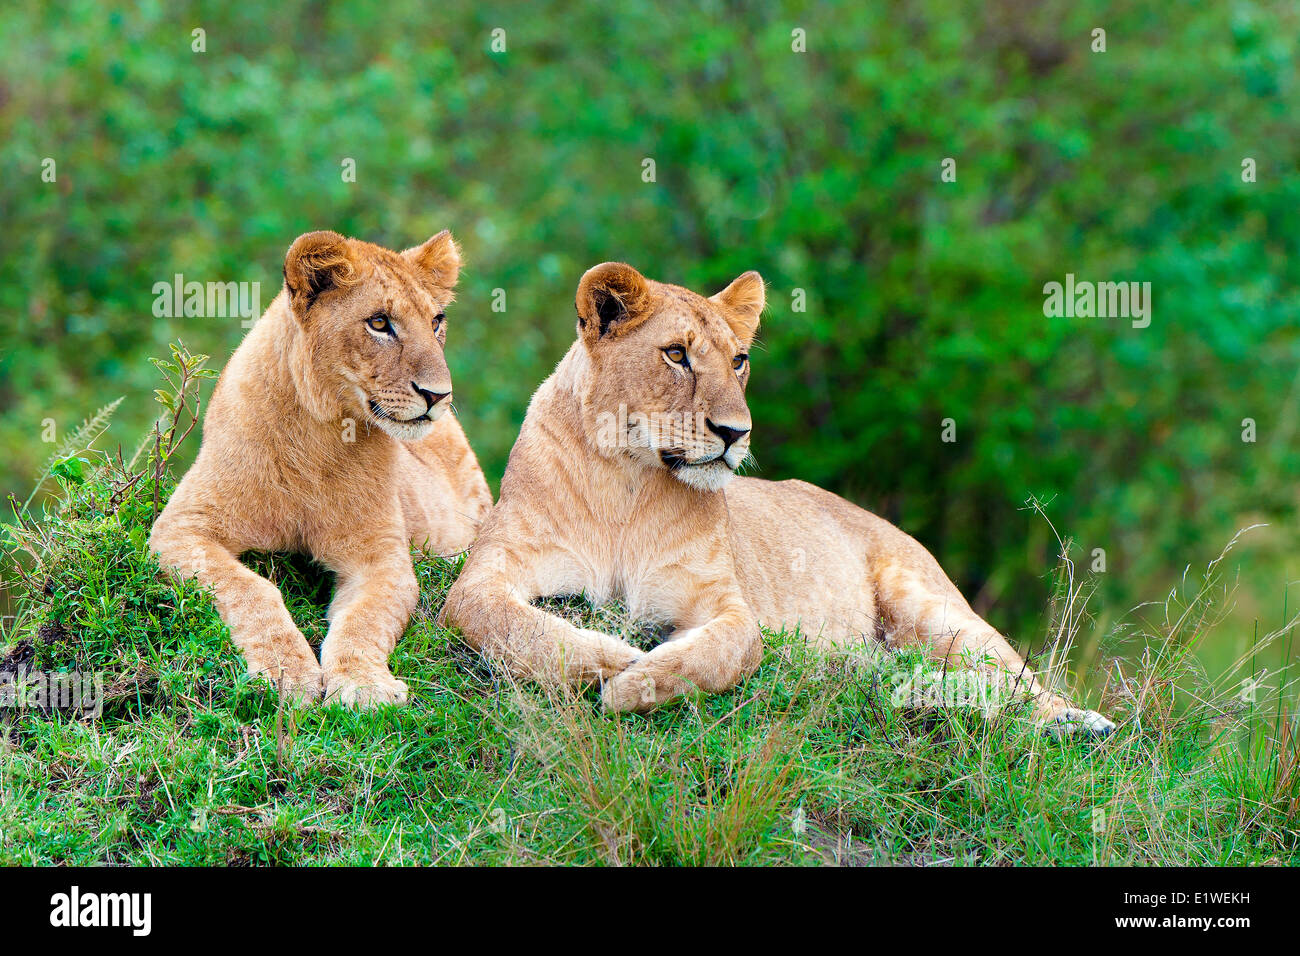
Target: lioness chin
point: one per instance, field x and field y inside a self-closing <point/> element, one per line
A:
<point x="327" y="433"/>
<point x="621" y="485"/>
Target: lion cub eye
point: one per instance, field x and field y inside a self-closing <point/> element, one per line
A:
<point x="739" y="362"/>
<point x="379" y="322"/>
<point x="677" y="355"/>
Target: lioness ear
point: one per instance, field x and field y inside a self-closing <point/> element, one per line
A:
<point x="315" y="263"/>
<point x="440" y="257"/>
<point x="612" y="298"/>
<point x="742" y="303"/>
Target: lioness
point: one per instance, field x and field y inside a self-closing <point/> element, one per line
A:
<point x="621" y="485"/>
<point x="327" y="434"/>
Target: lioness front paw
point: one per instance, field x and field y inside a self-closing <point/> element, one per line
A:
<point x="608" y="656"/>
<point x="363" y="686"/>
<point x="298" y="677"/>
<point x="1076" y="720"/>
<point x="628" y="692"/>
<point x="640" y="688"/>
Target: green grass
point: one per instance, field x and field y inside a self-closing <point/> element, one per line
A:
<point x="806" y="762"/>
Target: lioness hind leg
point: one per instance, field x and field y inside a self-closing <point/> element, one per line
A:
<point x="920" y="610"/>
<point x="251" y="606"/>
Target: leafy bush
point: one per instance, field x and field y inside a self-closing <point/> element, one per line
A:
<point x="821" y="169"/>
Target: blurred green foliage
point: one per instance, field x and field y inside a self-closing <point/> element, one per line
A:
<point x="820" y="169"/>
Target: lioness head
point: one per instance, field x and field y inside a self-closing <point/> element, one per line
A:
<point x="668" y="371"/>
<point x="373" y="328"/>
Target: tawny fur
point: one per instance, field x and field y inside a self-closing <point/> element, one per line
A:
<point x="316" y="440"/>
<point x="602" y="501"/>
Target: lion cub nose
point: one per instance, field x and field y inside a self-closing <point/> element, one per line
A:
<point x="431" y="398"/>
<point x="728" y="434"/>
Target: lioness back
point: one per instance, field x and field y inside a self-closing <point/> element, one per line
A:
<point x="800" y="555"/>
<point x="807" y="557"/>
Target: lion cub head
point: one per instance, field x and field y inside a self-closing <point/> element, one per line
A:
<point x="373" y="327"/>
<point x="668" y="371"/>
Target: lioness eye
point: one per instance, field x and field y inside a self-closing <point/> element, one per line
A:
<point x="379" y="322"/>
<point x="676" y="353"/>
<point x="739" y="362"/>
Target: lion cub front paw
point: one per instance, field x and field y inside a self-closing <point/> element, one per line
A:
<point x="363" y="686"/>
<point x="298" y="677"/>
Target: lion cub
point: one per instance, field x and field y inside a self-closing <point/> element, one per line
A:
<point x="621" y="485"/>
<point x="328" y="434"/>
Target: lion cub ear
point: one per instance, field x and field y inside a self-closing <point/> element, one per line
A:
<point x="742" y="303"/>
<point x="612" y="298"/>
<point x="315" y="263"/>
<point x="440" y="257"/>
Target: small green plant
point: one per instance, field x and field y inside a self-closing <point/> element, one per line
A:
<point x="64" y="463"/>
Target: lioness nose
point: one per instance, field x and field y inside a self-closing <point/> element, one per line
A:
<point x="728" y="434"/>
<point x="432" y="398"/>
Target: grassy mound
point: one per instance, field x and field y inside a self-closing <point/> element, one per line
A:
<point x="808" y="761"/>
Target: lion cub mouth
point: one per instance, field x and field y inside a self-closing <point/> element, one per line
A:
<point x="710" y="474"/>
<point x="707" y="474"/>
<point x="378" y="411"/>
<point x="404" y="429"/>
<point x="675" y="460"/>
